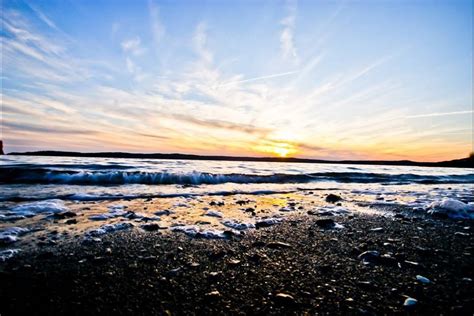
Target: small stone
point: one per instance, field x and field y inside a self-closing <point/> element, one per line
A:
<point x="164" y="212"/>
<point x="150" y="227"/>
<point x="410" y="302"/>
<point x="320" y="213"/>
<point x="213" y="295"/>
<point x="370" y="256"/>
<point x="64" y="215"/>
<point x="377" y="229"/>
<point x="284" y="299"/>
<point x="71" y="221"/>
<point x="326" y="223"/>
<point x="332" y="198"/>
<point x="173" y="272"/>
<point x="234" y="262"/>
<point x="423" y="279"/>
<point x="278" y="244"/>
<point x="214" y="275"/>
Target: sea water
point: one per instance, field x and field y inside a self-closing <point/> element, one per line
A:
<point x="33" y="189"/>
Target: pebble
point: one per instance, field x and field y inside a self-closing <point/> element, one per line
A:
<point x="378" y="229"/>
<point x="410" y="302"/>
<point x="150" y="227"/>
<point x="214" y="214"/>
<point x="165" y="212"/>
<point x="423" y="279"/>
<point x="213" y="294"/>
<point x="285" y="299"/>
<point x="326" y="223"/>
<point x="278" y="244"/>
<point x="332" y="198"/>
<point x="370" y="256"/>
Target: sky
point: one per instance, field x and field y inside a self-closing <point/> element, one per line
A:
<point x="311" y="79"/>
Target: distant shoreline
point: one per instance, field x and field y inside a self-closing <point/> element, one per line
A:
<point x="457" y="163"/>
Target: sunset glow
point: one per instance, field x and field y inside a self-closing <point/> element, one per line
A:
<point x="306" y="80"/>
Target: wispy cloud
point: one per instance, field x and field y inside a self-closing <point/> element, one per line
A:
<point x="200" y="43"/>
<point x="283" y="74"/>
<point x="132" y="46"/>
<point x="43" y="17"/>
<point x="157" y="28"/>
<point x="287" y="45"/>
<point x="439" y="114"/>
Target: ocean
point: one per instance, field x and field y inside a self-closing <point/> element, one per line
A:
<point x="208" y="197"/>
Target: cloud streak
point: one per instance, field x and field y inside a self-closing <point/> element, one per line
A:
<point x="283" y="74"/>
<point x="439" y="114"/>
<point x="287" y="45"/>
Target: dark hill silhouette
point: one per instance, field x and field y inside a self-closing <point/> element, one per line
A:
<point x="457" y="163"/>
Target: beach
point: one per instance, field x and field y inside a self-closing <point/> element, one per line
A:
<point x="296" y="267"/>
<point x="160" y="237"/>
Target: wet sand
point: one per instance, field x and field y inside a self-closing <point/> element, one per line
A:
<point x="300" y="266"/>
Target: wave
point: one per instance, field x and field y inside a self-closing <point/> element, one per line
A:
<point x="21" y="175"/>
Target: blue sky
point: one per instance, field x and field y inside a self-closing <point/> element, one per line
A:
<point x="323" y="79"/>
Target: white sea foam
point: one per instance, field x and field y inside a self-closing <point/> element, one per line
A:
<point x="452" y="208"/>
<point x="237" y="225"/>
<point x="11" y="217"/>
<point x="214" y="214"/>
<point x="269" y="221"/>
<point x="109" y="228"/>
<point x="10" y="235"/>
<point x="195" y="231"/>
<point x="114" y="211"/>
<point x="7" y="254"/>
<point x="46" y="206"/>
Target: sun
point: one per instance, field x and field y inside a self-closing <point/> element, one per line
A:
<point x="279" y="149"/>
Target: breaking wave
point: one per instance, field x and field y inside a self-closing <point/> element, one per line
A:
<point x="17" y="175"/>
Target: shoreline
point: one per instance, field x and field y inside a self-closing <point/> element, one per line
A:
<point x="455" y="163"/>
<point x="294" y="267"/>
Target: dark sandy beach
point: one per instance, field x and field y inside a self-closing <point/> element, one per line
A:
<point x="297" y="267"/>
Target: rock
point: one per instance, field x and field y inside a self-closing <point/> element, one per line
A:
<point x="214" y="275"/>
<point x="320" y="213"/>
<point x="370" y="256"/>
<point x="164" y="212"/>
<point x="366" y="285"/>
<point x="150" y="227"/>
<point x="173" y="272"/>
<point x="71" y="221"/>
<point x="326" y="223"/>
<point x="332" y="198"/>
<point x="234" y="262"/>
<point x="278" y="244"/>
<point x="267" y="222"/>
<point x="410" y="302"/>
<point x="64" y="215"/>
<point x="423" y="279"/>
<point x="242" y="202"/>
<point x="214" y="214"/>
<point x="284" y="299"/>
<point x="377" y="229"/>
<point x="213" y="295"/>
